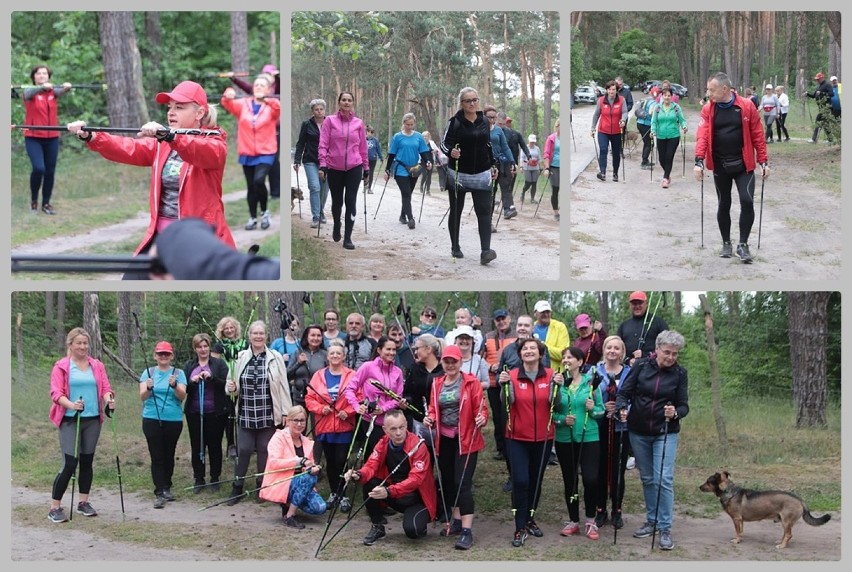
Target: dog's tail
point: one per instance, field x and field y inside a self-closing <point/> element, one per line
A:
<point x="813" y="520"/>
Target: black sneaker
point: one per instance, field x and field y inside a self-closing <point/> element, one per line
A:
<point x="601" y="177"/>
<point x="345" y="505"/>
<point x="552" y="461"/>
<point x="510" y="213"/>
<point x="159" y="501"/>
<point x="615" y="177"/>
<point x="411" y="223"/>
<point x="57" y="515"/>
<point x="167" y="494"/>
<point x="533" y="529"/>
<point x="727" y="250"/>
<point x="520" y="538"/>
<point x="403" y="219"/>
<point x="291" y="522"/>
<point x="507" y="486"/>
<point x="348" y="244"/>
<point x="457" y="253"/>
<point x="454" y="529"/>
<point x="487" y="256"/>
<point x="465" y="540"/>
<point x="335" y="231"/>
<point x="617" y="521"/>
<point x="600" y="518"/>
<point x="498" y="456"/>
<point x="215" y="486"/>
<point x="743" y="253"/>
<point x="377" y="531"/>
<point x="86" y="509"/>
<point x="236" y="496"/>
<point x="198" y="486"/>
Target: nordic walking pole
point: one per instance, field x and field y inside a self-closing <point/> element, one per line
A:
<point x="422" y="200"/>
<point x="201" y="419"/>
<point x="543" y="190"/>
<point x="447" y="514"/>
<point x="381" y="197"/>
<point x="660" y="485"/>
<point x="293" y="468"/>
<point x="76" y="460"/>
<point x="760" y="219"/>
<point x="618" y="475"/>
<point x="554" y="392"/>
<point x="299" y="186"/>
<point x="571" y="124"/>
<point x="683" y="153"/>
<point x="364" y="181"/>
<point x="117" y="460"/>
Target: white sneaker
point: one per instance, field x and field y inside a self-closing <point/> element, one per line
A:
<point x="251" y="224"/>
<point x="631" y="463"/>
<point x="265" y="220"/>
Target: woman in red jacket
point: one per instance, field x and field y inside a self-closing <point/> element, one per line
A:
<point x="343" y="162"/>
<point x="608" y="121"/>
<point x="457" y="411"/>
<point x="529" y="395"/>
<point x="257" y="142"/>
<point x="335" y="419"/>
<point x="42" y="146"/>
<point x="186" y="170"/>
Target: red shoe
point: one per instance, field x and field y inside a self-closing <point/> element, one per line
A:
<point x="592" y="530"/>
<point x="570" y="529"/>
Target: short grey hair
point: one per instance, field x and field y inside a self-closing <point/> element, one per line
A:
<point x="722" y="78"/>
<point x="318" y="101"/>
<point x="670" y="338"/>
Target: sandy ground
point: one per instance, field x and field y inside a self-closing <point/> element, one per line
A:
<point x="251" y="531"/>
<point x="636" y="230"/>
<point x="389" y="250"/>
<point x="68" y="244"/>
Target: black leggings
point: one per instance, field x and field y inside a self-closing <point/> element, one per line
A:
<point x="343" y="186"/>
<point x="256" y="183"/>
<point x="569" y="454"/>
<point x="745" y="187"/>
<point x="406" y="188"/>
<point x="611" y="468"/>
<point x="645" y="132"/>
<point x="162" y="437"/>
<point x="554" y="182"/>
<point x="527" y="459"/>
<point x="452" y="465"/>
<point x="335" y="459"/>
<point x="209" y="444"/>
<point x="415" y="515"/>
<point x="482" y="207"/>
<point x="666" y="149"/>
<point x="372" y="172"/>
<point x="84" y="478"/>
<point x="781" y="125"/>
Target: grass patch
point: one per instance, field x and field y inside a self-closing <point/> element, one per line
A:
<point x="804" y="224"/>
<point x="309" y="258"/>
<point x="585" y="238"/>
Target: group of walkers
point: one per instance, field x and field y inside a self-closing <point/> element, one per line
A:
<point x="187" y="156"/>
<point x="415" y="424"/>
<point x="478" y="154"/>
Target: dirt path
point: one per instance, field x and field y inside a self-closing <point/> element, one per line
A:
<point x="392" y="251"/>
<point x="102" y="235"/>
<point x="635" y="230"/>
<point x="255" y="532"/>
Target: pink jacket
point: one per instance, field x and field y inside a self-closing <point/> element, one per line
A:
<point x="282" y="454"/>
<point x="389" y="375"/>
<point x="343" y="143"/>
<point x="59" y="386"/>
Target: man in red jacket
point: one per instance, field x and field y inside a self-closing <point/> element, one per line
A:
<point x="728" y="138"/>
<point x="398" y="474"/>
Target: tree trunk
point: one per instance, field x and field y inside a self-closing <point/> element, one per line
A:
<point x="239" y="41"/>
<point x="801" y="56"/>
<point x="153" y="32"/>
<point x="515" y="303"/>
<point x="59" y="334"/>
<point x="125" y="323"/>
<point x="485" y="311"/>
<point x="603" y="308"/>
<point x="808" y="318"/>
<point x="122" y="70"/>
<point x="92" y="323"/>
<point x="715" y="382"/>
<point x="548" y="75"/>
<point x="726" y="43"/>
<point x="833" y="21"/>
<point x="19" y="347"/>
<point x="48" y="314"/>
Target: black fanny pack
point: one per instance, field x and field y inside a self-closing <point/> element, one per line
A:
<point x="733" y="166"/>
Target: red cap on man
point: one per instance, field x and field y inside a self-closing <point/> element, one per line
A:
<point x="820" y="76"/>
<point x="184" y="92"/>
<point x="638" y="296"/>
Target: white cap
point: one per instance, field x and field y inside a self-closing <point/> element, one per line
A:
<point x="464" y="330"/>
<point x="833" y="78"/>
<point x="542" y="306"/>
<point x="768" y="86"/>
<point x="532" y="138"/>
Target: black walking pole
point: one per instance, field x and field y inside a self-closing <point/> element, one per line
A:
<point x="623" y="162"/>
<point x="381" y="197"/>
<point x="618" y="475"/>
<point x="543" y="190"/>
<point x="76" y="461"/>
<point x="760" y="219"/>
<point x="653" y="146"/>
<point x="111" y="416"/>
<point x="683" y="154"/>
<point x="660" y="485"/>
<point x="364" y="181"/>
<point x="299" y="186"/>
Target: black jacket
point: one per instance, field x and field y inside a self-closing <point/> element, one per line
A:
<point x="418" y="384"/>
<point x="474" y="140"/>
<point x="307" y="147"/>
<point x="647" y="389"/>
<point x="630" y="331"/>
<point x="216" y="383"/>
<point x="516" y="143"/>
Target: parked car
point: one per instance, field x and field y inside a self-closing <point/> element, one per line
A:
<point x="679" y="90"/>
<point x="584" y="94"/>
<point x="647" y="85"/>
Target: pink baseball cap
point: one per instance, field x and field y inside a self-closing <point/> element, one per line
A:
<point x="582" y="321"/>
<point x="184" y="92"/>
<point x="270" y="68"/>
<point x="452" y="352"/>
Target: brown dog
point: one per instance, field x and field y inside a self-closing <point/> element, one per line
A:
<point x="747" y="505"/>
<point x="295" y="194"/>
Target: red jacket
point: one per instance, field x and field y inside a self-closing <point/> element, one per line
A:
<point x="200" y="194"/>
<point x="255" y="133"/>
<point x="281" y="454"/>
<point x="317" y="397"/>
<point x="529" y="414"/>
<point x="419" y="479"/>
<point x="610" y="118"/>
<point x="471" y="402"/>
<point x="753" y="136"/>
<point x="42" y="110"/>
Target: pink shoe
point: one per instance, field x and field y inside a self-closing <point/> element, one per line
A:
<point x="592" y="530"/>
<point x="570" y="529"/>
<point x="665" y="184"/>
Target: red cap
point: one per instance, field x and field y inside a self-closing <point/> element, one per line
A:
<point x="163" y="347"/>
<point x="184" y="92"/>
<point x="638" y="295"/>
<point x="508" y="120"/>
<point x="820" y="76"/>
<point x="452" y="352"/>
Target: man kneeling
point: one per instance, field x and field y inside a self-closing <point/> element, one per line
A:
<point x="398" y="474"/>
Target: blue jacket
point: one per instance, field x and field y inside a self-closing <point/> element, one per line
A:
<point x="500" y="146"/>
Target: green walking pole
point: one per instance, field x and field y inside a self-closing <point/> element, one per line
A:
<point x="76" y="462"/>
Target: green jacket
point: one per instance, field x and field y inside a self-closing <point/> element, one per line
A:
<point x="573" y="401"/>
<point x="667" y="124"/>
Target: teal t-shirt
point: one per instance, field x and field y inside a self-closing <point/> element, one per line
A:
<point x="83" y="384"/>
<point x="163" y="405"/>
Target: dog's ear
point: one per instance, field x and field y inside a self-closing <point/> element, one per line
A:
<point x="726" y="474"/>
